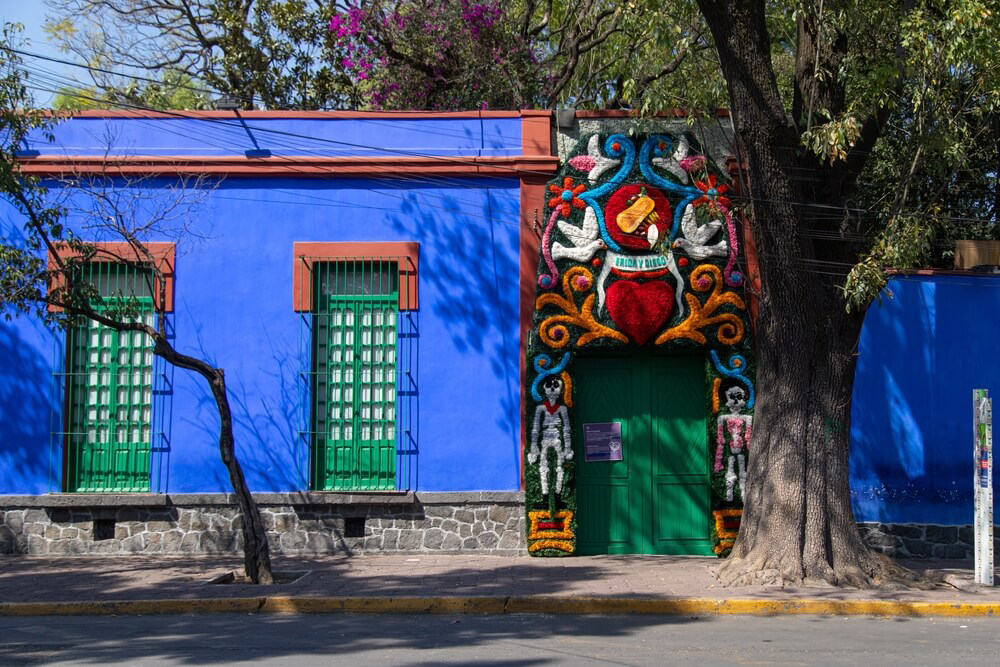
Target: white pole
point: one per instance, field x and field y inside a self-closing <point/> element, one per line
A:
<point x="982" y="422"/>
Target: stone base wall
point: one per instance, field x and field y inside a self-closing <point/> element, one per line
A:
<point x="297" y="524"/>
<point x="486" y="523"/>
<point x="917" y="540"/>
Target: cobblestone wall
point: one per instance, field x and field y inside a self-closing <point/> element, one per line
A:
<point x="495" y="528"/>
<point x="914" y="540"/>
<point x="488" y="528"/>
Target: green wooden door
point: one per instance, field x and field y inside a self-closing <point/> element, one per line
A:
<point x="354" y="383"/>
<point x="109" y="391"/>
<point x="656" y="500"/>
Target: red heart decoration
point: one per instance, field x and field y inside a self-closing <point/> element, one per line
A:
<point x="640" y="309"/>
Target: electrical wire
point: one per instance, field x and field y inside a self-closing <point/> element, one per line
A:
<point x="238" y="131"/>
<point x="71" y="82"/>
<point x="239" y="127"/>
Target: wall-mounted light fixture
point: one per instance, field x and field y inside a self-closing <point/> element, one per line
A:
<point x="228" y="103"/>
<point x="565" y="118"/>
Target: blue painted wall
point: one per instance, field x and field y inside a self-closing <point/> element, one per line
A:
<point x="233" y="302"/>
<point x="231" y="136"/>
<point x="922" y="353"/>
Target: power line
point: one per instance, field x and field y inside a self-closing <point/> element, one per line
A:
<point x="513" y="170"/>
<point x="246" y="126"/>
<point x="93" y="68"/>
<point x="239" y="129"/>
<point x="69" y="82"/>
<point x="202" y="90"/>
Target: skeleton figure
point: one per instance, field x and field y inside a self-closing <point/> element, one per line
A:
<point x="737" y="429"/>
<point x="551" y="431"/>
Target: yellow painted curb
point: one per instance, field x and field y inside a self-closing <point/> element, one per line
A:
<point x="745" y="606"/>
<point x="552" y="604"/>
<point x="132" y="607"/>
<point x="385" y="605"/>
<point x="495" y="605"/>
<point x="857" y="607"/>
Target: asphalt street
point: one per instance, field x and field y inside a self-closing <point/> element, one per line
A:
<point x="519" y="640"/>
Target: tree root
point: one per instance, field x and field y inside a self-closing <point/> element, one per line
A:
<point x="872" y="571"/>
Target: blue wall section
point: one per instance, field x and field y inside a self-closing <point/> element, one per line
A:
<point x="386" y="137"/>
<point x="922" y="353"/>
<point x="234" y="306"/>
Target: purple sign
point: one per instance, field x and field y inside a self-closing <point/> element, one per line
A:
<point x="602" y="442"/>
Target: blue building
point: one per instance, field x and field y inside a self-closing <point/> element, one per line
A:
<point x="358" y="278"/>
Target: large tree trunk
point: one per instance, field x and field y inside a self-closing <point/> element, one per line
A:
<point x="256" y="551"/>
<point x="798" y="524"/>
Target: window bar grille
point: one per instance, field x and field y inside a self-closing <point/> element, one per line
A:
<point x="350" y="349"/>
<point x="106" y="380"/>
<point x="405" y="396"/>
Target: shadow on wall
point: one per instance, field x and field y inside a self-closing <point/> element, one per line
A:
<point x="270" y="427"/>
<point x="921" y="354"/>
<point x="408" y="401"/>
<point x="25" y="416"/>
<point x="265" y="426"/>
<point x="888" y="449"/>
<point x="472" y="255"/>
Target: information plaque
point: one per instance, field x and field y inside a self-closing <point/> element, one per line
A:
<point x="602" y="442"/>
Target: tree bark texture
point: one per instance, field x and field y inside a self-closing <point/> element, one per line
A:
<point x="798" y="524"/>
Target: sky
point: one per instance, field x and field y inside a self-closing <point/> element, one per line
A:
<point x="31" y="13"/>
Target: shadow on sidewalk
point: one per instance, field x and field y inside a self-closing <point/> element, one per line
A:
<point x="332" y="639"/>
<point x="141" y="577"/>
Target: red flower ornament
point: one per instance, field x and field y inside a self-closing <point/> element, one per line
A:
<point x="713" y="192"/>
<point x="566" y="197"/>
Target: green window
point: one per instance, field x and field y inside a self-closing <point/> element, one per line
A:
<point x="109" y="392"/>
<point x="355" y="317"/>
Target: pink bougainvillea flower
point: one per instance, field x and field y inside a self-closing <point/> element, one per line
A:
<point x="693" y="163"/>
<point x="713" y="192"/>
<point x="566" y="197"/>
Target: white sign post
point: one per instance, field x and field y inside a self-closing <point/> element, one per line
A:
<point x="982" y="423"/>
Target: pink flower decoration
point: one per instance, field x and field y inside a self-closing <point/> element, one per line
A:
<point x="583" y="163"/>
<point x="693" y="163"/>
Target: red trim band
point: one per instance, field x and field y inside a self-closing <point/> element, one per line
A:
<point x="331" y="115"/>
<point x="59" y="165"/>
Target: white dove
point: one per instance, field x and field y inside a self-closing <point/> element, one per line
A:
<point x="695" y="237"/>
<point x="586" y="239"/>
<point x="593" y="163"/>
<point x="673" y="163"/>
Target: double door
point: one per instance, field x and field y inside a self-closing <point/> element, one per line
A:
<point x="656" y="499"/>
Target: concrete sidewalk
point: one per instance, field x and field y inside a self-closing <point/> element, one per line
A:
<point x="448" y="583"/>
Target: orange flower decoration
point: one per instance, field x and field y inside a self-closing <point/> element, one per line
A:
<point x="713" y="192"/>
<point x="566" y="197"/>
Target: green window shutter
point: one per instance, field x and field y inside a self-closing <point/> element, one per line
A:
<point x="356" y="308"/>
<point x="109" y="392"/>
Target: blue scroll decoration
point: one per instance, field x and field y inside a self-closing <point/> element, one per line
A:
<point x="678" y="212"/>
<point x="736" y="369"/>
<point x="625" y="149"/>
<point x="543" y="362"/>
<point x="651" y="148"/>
